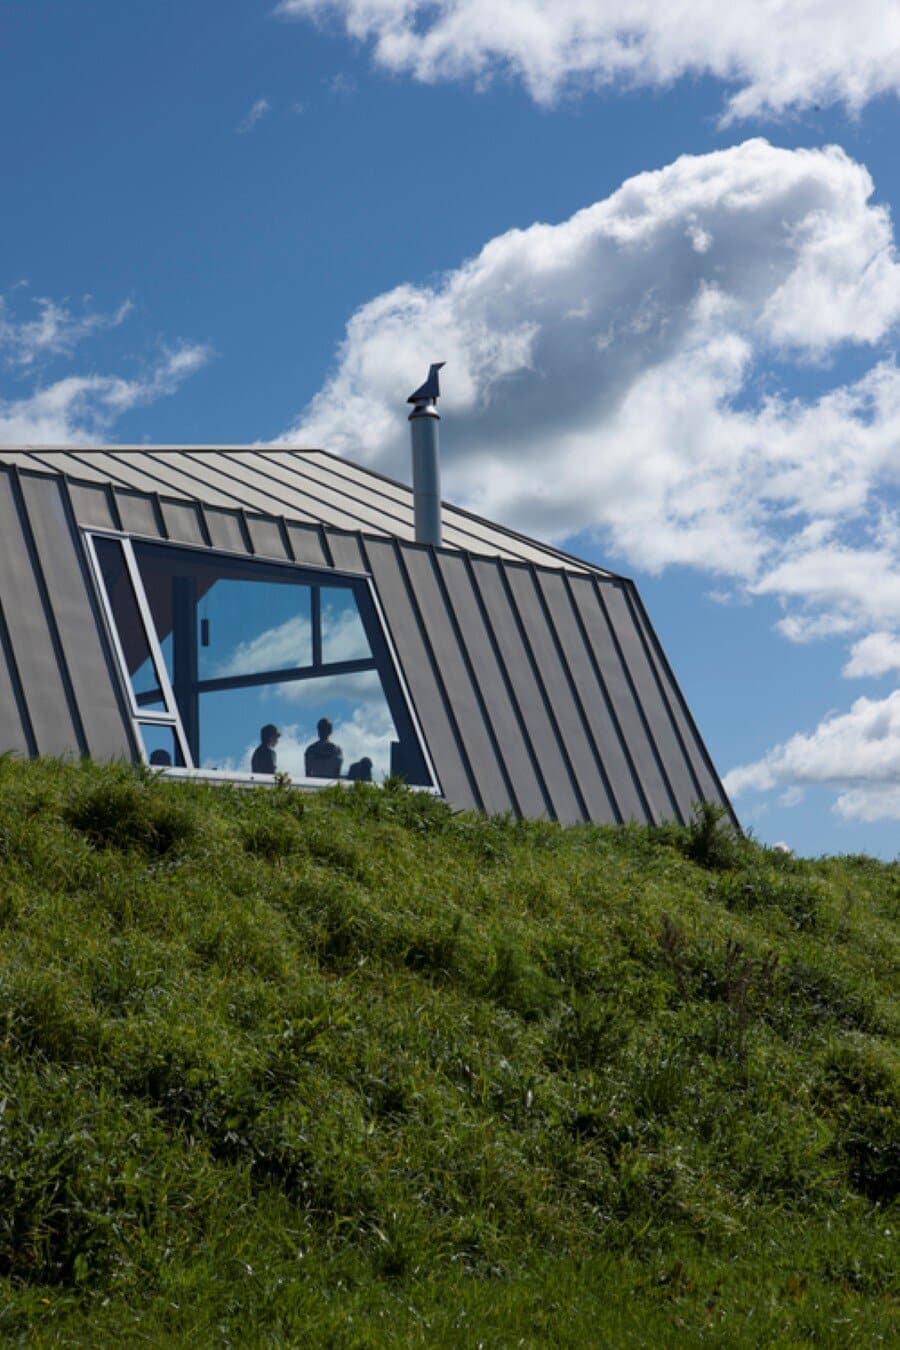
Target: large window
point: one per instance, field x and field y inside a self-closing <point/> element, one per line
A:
<point x="238" y="666"/>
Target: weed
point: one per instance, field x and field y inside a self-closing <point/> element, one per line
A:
<point x="711" y="840"/>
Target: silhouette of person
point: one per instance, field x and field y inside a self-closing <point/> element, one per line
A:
<point x="361" y="771"/>
<point x="264" y="758"/>
<point x="323" y="759"/>
<point x="161" y="759"/>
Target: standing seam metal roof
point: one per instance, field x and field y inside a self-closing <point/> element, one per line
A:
<point x="310" y="485"/>
<point x="541" y="688"/>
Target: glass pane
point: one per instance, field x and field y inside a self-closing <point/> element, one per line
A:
<point x="129" y="625"/>
<point x="216" y="620"/>
<point x="343" y="635"/>
<point x="248" y="626"/>
<point x="234" y="727"/>
<point x="160" y="745"/>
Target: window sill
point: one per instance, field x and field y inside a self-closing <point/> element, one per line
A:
<point x="251" y="780"/>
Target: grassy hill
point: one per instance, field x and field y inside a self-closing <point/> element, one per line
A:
<point x="348" y="1069"/>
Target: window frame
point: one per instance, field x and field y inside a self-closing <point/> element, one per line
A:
<point x="172" y="717"/>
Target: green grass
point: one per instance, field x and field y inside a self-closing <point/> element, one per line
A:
<point x="349" y="1069"/>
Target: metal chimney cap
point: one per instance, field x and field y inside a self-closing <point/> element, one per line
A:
<point x="430" y="391"/>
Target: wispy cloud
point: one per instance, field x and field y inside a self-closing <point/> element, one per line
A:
<point x="50" y="328"/>
<point x="776" y="56"/>
<point x="261" y="108"/>
<point x="77" y="408"/>
<point x="340" y="85"/>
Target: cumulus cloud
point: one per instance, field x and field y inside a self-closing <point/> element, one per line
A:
<point x="777" y="55"/>
<point x="874" y="655"/>
<point x="857" y="753"/>
<point x="602" y="371"/>
<point x="76" y="409"/>
<point x="619" y="374"/>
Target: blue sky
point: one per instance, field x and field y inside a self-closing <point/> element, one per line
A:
<point x="226" y="223"/>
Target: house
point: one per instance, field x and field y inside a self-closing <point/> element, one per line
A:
<point x="165" y="603"/>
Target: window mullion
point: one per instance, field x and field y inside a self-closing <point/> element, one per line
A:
<point x="112" y="625"/>
<point x="156" y="652"/>
<point x="315" y="623"/>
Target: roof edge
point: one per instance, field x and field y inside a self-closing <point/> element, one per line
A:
<point x="32" y="448"/>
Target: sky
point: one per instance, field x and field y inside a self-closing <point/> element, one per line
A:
<point x="655" y="245"/>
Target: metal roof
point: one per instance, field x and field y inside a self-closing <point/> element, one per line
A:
<point x="301" y="484"/>
<point x="539" y="685"/>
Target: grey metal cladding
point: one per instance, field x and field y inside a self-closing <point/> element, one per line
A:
<point x="307" y="544"/>
<point x="673" y="765"/>
<point x="15" y="724"/>
<point x="658" y="803"/>
<point x="562" y="698"/>
<point x="31" y="639"/>
<point x="183" y="522"/>
<point x="138" y="512"/>
<point x="226" y="529"/>
<point x="267" y="538"/>
<point x="304" y="485"/>
<point x="77" y="619"/>
<point x="710" y="787"/>
<point x="432" y="707"/>
<point x="508" y="626"/>
<point x="515" y="754"/>
<point x="460" y="688"/>
<point x="346" y="551"/>
<point x="606" y="735"/>
<point x="93" y="506"/>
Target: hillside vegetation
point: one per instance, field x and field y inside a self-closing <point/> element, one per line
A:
<point x="350" y="1069"/>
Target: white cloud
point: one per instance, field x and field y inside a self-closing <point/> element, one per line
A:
<point x="610" y="347"/>
<point x="615" y="374"/>
<point x="857" y="753"/>
<point x="76" y="409"/>
<point x="261" y="108"/>
<point x="876" y="654"/>
<point x="778" y="55"/>
<point x="870" y="804"/>
<point x="53" y="329"/>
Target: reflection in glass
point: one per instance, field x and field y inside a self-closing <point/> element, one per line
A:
<point x="129" y="625"/>
<point x="248" y="626"/>
<point x="248" y="645"/>
<point x="343" y="635"/>
<point x="231" y="721"/>
<point x="160" y="745"/>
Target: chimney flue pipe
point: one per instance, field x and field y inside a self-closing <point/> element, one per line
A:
<point x="426" y="471"/>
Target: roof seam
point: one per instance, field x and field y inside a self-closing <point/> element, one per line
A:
<point x="487" y="537"/>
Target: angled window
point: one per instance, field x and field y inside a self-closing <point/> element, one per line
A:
<point x="230" y="661"/>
